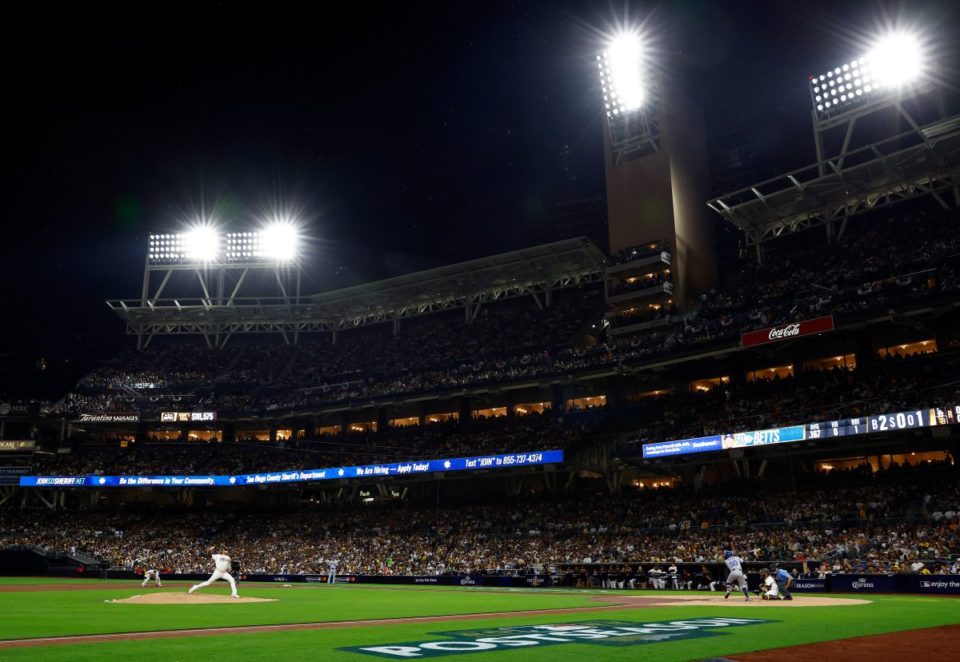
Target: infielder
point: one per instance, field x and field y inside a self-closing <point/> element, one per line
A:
<point x="151" y="573"/>
<point x="735" y="566"/>
<point x="784" y="581"/>
<point x="222" y="567"/>
<point x="332" y="571"/>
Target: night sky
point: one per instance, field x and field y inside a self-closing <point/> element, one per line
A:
<point x="405" y="137"/>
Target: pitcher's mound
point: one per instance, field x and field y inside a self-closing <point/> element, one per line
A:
<point x="186" y="599"/>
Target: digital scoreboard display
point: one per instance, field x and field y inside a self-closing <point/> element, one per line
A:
<point x="188" y="416"/>
<point x="844" y="427"/>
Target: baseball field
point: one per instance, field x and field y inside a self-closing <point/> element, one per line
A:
<point x="58" y="619"/>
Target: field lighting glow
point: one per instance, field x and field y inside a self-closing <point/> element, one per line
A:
<point x="276" y="241"/>
<point x="622" y="75"/>
<point x="202" y="243"/>
<point x="894" y="62"/>
<point x="279" y="241"/>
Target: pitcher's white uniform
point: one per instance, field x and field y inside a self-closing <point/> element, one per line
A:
<point x="151" y="573"/>
<point x="773" y="591"/>
<point x="222" y="564"/>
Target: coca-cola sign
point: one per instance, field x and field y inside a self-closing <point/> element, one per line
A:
<point x="777" y="333"/>
<point x="785" y="331"/>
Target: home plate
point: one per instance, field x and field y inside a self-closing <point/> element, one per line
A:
<point x="185" y="599"/>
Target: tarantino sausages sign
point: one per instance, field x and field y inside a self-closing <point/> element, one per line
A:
<point x="786" y="331"/>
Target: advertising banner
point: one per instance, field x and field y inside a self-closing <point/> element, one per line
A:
<point x="17" y="445"/>
<point x="937" y="584"/>
<point x="862" y="584"/>
<point x="188" y="416"/>
<point x="787" y="331"/>
<point x="281" y="477"/>
<point x="904" y="420"/>
<point x="809" y="586"/>
<point x="132" y="417"/>
<point x="17" y="409"/>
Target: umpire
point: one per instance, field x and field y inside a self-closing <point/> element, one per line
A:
<point x="784" y="581"/>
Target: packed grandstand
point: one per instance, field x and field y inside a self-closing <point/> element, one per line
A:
<point x="523" y="377"/>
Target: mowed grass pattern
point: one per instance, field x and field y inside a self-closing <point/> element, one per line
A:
<point x="34" y="614"/>
<point x="60" y="613"/>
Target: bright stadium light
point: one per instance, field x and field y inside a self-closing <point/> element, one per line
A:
<point x="201" y="243"/>
<point x="623" y="75"/>
<point x="895" y="61"/>
<point x="279" y="241"/>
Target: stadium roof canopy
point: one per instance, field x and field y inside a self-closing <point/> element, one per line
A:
<point x="530" y="271"/>
<point x="526" y="271"/>
<point x="922" y="161"/>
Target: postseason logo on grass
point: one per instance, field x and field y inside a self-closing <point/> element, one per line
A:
<point x="601" y="633"/>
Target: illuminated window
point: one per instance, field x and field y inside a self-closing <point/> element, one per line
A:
<point x="442" y="417"/>
<point x="839" y="362"/>
<point x="708" y="384"/>
<point x="491" y="412"/>
<point x="164" y="435"/>
<point x="325" y="430"/>
<point x="284" y="434"/>
<point x="204" y="435"/>
<point x="588" y="402"/>
<point x="645" y="395"/>
<point x="928" y="346"/>
<point x="526" y="408"/>
<point x="253" y="435"/>
<point x="771" y="373"/>
<point x="363" y="426"/>
<point x="405" y="422"/>
<point x="654" y="483"/>
<point x="879" y="462"/>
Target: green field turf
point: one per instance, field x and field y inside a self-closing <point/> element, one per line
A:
<point x="48" y="613"/>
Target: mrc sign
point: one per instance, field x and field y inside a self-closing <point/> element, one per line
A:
<point x="787" y="331"/>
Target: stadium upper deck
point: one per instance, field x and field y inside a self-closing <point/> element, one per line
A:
<point x="878" y="271"/>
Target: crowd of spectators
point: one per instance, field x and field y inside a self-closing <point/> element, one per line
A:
<point x="437" y="440"/>
<point x="876" y="267"/>
<point x="895" y="386"/>
<point x="891" y="386"/>
<point x="887" y="524"/>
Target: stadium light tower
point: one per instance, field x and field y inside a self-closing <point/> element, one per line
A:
<point x="882" y="135"/>
<point x="628" y="100"/>
<point x="893" y="68"/>
<point x="655" y="162"/>
<point x="202" y="269"/>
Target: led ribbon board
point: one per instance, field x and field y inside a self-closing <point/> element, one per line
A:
<point x="413" y="467"/>
<point x="905" y="420"/>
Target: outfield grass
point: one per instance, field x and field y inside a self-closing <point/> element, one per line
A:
<point x="45" y="613"/>
<point x="60" y="613"/>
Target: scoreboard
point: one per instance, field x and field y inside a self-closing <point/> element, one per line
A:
<point x="843" y="427"/>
